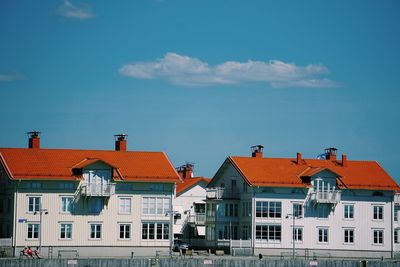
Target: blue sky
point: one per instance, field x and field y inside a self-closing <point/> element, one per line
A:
<point x="206" y="79"/>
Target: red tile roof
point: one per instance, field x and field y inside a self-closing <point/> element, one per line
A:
<point x="57" y="164"/>
<point x="188" y="183"/>
<point x="285" y="172"/>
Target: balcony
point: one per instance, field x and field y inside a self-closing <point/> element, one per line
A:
<point x="198" y="218"/>
<point x="330" y="197"/>
<point x="214" y="193"/>
<point x="97" y="190"/>
<point x="397" y="199"/>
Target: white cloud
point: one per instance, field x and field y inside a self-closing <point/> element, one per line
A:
<point x="9" y="77"/>
<point x="187" y="71"/>
<point x="68" y="10"/>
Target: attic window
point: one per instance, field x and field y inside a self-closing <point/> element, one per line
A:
<point x="377" y="194"/>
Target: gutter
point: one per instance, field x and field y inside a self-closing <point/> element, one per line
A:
<point x="14" y="238"/>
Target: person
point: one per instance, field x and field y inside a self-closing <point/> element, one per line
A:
<point x="24" y="252"/>
<point x="37" y="253"/>
<point x="260" y="256"/>
<point x="29" y="252"/>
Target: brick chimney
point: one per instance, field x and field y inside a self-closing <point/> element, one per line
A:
<point x="299" y="161"/>
<point x="344" y="160"/>
<point x="331" y="153"/>
<point x="120" y="142"/>
<point x="34" y="139"/>
<point x="257" y="151"/>
<point x="185" y="171"/>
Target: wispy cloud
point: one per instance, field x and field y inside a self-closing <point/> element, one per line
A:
<point x="68" y="10"/>
<point x="9" y="77"/>
<point x="187" y="71"/>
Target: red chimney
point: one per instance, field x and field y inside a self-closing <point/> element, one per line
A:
<point x="331" y="153"/>
<point x="299" y="160"/>
<point x="120" y="142"/>
<point x="34" y="139"/>
<point x="344" y="160"/>
<point x="185" y="171"/>
<point x="257" y="151"/>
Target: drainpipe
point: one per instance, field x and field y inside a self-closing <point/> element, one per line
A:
<point x="14" y="241"/>
<point x="253" y="219"/>
<point x="391" y="228"/>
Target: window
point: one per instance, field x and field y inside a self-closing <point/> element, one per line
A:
<point x="66" y="186"/>
<point x="125" y="205"/>
<point x="65" y="231"/>
<point x="33" y="231"/>
<point x="298" y="234"/>
<point x="297" y="209"/>
<point x="66" y="204"/>
<point x="396" y="212"/>
<point x="246" y="209"/>
<point x="378" y="237"/>
<point x="124" y="231"/>
<point x="245" y="232"/>
<point x="96" y="205"/>
<point x="268" y="209"/>
<point x="231" y="210"/>
<point x="349" y="236"/>
<point x="323" y="235"/>
<point x="95" y="231"/>
<point x="378" y="212"/>
<point x="396" y="235"/>
<point x="244" y="187"/>
<point x="156" y="205"/>
<point x="349" y="211"/>
<point x="268" y="232"/>
<point x="233" y="185"/>
<point x="33" y="204"/>
<point x="158" y="231"/>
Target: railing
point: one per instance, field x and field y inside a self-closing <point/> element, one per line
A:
<point x="331" y="197"/>
<point x="214" y="193"/>
<point x="102" y="190"/>
<point x="396" y="199"/>
<point x="198" y="218"/>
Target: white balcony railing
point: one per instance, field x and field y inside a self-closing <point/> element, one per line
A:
<point x="198" y="218"/>
<point x="330" y="197"/>
<point x="397" y="199"/>
<point x="214" y="193"/>
<point x="100" y="190"/>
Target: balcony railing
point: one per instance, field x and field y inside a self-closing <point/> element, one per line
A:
<point x="198" y="218"/>
<point x="397" y="199"/>
<point x="214" y="193"/>
<point x="98" y="190"/>
<point x="330" y="197"/>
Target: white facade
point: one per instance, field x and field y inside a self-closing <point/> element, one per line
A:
<point x="347" y="223"/>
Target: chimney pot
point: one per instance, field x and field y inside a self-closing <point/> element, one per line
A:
<point x="120" y="142"/>
<point x="331" y="153"/>
<point x="185" y="171"/>
<point x="34" y="139"/>
<point x="257" y="151"/>
<point x="344" y="160"/>
<point x="299" y="160"/>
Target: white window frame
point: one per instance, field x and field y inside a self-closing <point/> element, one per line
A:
<point x="96" y="231"/>
<point x="69" y="224"/>
<point x="380" y="235"/>
<point x="34" y="225"/>
<point x="324" y="235"/>
<point x="297" y="212"/>
<point x="348" y="230"/>
<point x="268" y="205"/>
<point x="347" y="213"/>
<point x="125" y="205"/>
<point x="156" y="205"/>
<point x="36" y="206"/>
<point x="296" y="235"/>
<point x="270" y="230"/>
<point x="124" y="225"/>
<point x="378" y="207"/>
<point x="164" y="234"/>
<point x="68" y="204"/>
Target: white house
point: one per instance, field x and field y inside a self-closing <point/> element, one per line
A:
<point x="92" y="202"/>
<point x="190" y="206"/>
<point x="313" y="207"/>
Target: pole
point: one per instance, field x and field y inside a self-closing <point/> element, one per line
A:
<point x="40" y="230"/>
<point x="294" y="235"/>
<point x="171" y="239"/>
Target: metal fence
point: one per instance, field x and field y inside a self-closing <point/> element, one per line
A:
<point x="192" y="262"/>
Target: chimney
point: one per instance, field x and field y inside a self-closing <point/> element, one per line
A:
<point x="34" y="139"/>
<point x="330" y="153"/>
<point x="299" y="160"/>
<point x="257" y="151"/>
<point x="344" y="160"/>
<point x="185" y="171"/>
<point x="120" y="142"/>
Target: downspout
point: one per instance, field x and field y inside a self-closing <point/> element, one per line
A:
<point x="391" y="227"/>
<point x="14" y="241"/>
<point x="253" y="220"/>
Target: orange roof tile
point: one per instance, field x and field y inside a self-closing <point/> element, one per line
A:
<point x="285" y="172"/>
<point x="188" y="183"/>
<point x="57" y="164"/>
